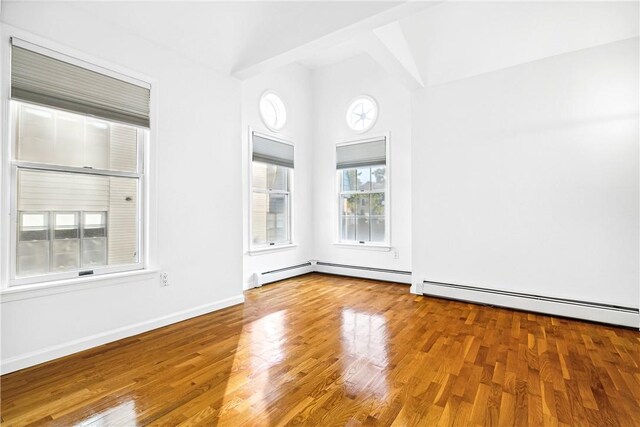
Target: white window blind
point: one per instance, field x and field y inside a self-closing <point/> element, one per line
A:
<point x="267" y="150"/>
<point x="41" y="79"/>
<point x="361" y="154"/>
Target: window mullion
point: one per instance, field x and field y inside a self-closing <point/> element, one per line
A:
<point x="70" y="169"/>
<point x="81" y="239"/>
<point x="50" y="218"/>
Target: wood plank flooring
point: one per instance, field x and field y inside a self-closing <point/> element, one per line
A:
<point x="324" y="350"/>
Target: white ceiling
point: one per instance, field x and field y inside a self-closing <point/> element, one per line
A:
<point x="431" y="42"/>
<point x="331" y="55"/>
<point x="230" y="35"/>
<point x="456" y="40"/>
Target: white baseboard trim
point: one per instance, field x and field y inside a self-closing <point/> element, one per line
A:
<point x="364" y="272"/>
<point x="54" y="352"/>
<point x="281" y="274"/>
<point x="620" y="316"/>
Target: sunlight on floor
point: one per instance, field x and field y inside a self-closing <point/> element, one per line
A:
<point x="122" y="414"/>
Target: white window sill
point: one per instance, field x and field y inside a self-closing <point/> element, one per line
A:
<point x="274" y="248"/>
<point x="20" y="292"/>
<point x="365" y="246"/>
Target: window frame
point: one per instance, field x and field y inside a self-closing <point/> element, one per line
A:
<point x="146" y="185"/>
<point x="253" y="248"/>
<point x="386" y="244"/>
<point x="17" y="165"/>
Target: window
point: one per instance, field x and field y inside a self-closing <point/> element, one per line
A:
<point x="363" y="187"/>
<point x="272" y="111"/>
<point x="362" y="113"/>
<point x="77" y="147"/>
<point x="271" y="185"/>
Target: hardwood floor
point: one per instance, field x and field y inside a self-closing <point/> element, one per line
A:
<point x="325" y="350"/>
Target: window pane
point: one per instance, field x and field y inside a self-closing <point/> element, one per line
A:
<point x="96" y="149"/>
<point x="349" y="182"/>
<point x="362" y="219"/>
<point x="32" y="258"/>
<point x="259" y="217"/>
<point x="270" y="218"/>
<point x="259" y="175"/>
<point x="377" y="217"/>
<point x="33" y="245"/>
<point x="348" y="227"/>
<point x="122" y="217"/>
<point x="377" y="204"/>
<point x="348" y="205"/>
<point x="94" y="239"/>
<point x="66" y="255"/>
<point x="56" y="137"/>
<point x="97" y="203"/>
<point x="270" y="177"/>
<point x="33" y="226"/>
<point x="69" y="149"/>
<point x="94" y="225"/>
<point x="123" y="145"/>
<point x="66" y="225"/>
<point x="364" y="179"/>
<point x="362" y="229"/>
<point x="277" y="178"/>
<point x="94" y="251"/>
<point x="378" y="178"/>
<point x="377" y="228"/>
<point x="362" y="205"/>
<point x="36" y="134"/>
<point x="277" y="218"/>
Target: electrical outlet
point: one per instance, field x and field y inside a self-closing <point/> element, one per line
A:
<point x="396" y="254"/>
<point x="164" y="279"/>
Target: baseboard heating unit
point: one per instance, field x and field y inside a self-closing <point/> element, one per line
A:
<point x="282" y="273"/>
<point x="613" y="314"/>
<point x="397" y="276"/>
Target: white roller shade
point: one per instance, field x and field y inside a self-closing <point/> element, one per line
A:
<point x="45" y="80"/>
<point x="271" y="151"/>
<point x="362" y="154"/>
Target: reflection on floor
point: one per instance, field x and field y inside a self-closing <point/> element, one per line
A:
<point x="324" y="350"/>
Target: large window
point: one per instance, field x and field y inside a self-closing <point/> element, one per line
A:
<point x="362" y="205"/>
<point x="363" y="187"/>
<point x="77" y="169"/>
<point x="271" y="188"/>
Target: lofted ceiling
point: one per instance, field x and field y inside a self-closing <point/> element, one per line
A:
<point x="422" y="43"/>
<point x="456" y="40"/>
<point x="226" y="35"/>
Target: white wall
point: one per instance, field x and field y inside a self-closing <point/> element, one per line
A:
<point x="293" y="84"/>
<point x="526" y="178"/>
<point x="333" y="88"/>
<point x="197" y="228"/>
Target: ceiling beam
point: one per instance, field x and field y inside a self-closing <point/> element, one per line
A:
<point x="246" y="71"/>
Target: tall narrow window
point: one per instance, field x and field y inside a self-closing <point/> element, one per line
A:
<point x="271" y="172"/>
<point x="78" y="138"/>
<point x="363" y="188"/>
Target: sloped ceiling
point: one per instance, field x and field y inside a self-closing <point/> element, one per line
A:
<point x="223" y="35"/>
<point x="431" y="42"/>
<point x="455" y="40"/>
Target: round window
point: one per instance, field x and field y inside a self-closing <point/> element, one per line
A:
<point x="272" y="110"/>
<point x="362" y="113"/>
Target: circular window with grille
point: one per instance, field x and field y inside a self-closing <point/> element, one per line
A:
<point x="362" y="113"/>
